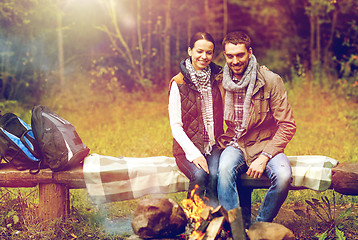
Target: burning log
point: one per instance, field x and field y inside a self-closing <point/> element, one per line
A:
<point x="214" y="228"/>
<point x="236" y="224"/>
<point x="220" y="211"/>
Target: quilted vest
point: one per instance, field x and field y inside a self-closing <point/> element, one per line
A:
<point x="192" y="118"/>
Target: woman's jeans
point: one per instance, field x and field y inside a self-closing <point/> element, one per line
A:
<point x="207" y="183"/>
<point x="232" y="164"/>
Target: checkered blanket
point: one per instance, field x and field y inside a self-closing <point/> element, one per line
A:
<point x="312" y="171"/>
<point x="110" y="179"/>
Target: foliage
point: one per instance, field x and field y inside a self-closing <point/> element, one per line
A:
<point x="138" y="44"/>
<point x="323" y="210"/>
<point x="137" y="125"/>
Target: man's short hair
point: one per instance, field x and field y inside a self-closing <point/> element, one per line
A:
<point x="238" y="37"/>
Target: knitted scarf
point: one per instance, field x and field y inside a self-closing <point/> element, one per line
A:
<point x="231" y="97"/>
<point x="201" y="80"/>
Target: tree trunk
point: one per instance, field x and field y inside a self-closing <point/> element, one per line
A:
<point x="312" y="40"/>
<point x="207" y="15"/>
<point x="318" y="40"/>
<point x="331" y="35"/>
<point x="168" y="24"/>
<point x="226" y="17"/>
<point x="60" y="50"/>
<point x="149" y="34"/>
<point x="139" y="37"/>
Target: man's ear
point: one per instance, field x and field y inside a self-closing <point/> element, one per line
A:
<point x="189" y="51"/>
<point x="250" y="52"/>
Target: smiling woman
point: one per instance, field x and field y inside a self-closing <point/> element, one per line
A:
<point x="195" y="112"/>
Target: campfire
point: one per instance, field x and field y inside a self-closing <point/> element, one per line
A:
<point x="205" y="222"/>
<point x="163" y="217"/>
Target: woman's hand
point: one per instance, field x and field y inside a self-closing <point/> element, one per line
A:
<point x="200" y="162"/>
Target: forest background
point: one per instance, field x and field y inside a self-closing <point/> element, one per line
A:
<point x="105" y="65"/>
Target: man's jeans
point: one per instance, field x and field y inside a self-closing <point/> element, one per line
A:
<point x="232" y="164"/>
<point x="207" y="183"/>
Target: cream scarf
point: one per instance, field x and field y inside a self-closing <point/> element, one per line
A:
<point x="248" y="80"/>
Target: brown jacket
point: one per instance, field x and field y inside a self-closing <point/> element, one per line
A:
<point x="271" y="124"/>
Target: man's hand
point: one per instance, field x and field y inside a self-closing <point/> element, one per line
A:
<point x="200" y="162"/>
<point x="257" y="167"/>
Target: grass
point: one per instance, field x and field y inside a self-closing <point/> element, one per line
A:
<point x="137" y="125"/>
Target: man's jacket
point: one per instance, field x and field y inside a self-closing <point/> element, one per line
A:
<point x="271" y="124"/>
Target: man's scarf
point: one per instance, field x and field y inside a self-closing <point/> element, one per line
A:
<point x="231" y="97"/>
<point x="201" y="80"/>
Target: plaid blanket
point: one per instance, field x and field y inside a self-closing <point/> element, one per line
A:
<point x="110" y="179"/>
<point x="312" y="171"/>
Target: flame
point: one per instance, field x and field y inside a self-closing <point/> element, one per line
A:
<point x="193" y="207"/>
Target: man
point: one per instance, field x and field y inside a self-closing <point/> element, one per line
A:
<point x="260" y="125"/>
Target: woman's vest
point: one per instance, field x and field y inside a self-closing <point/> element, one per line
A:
<point x="191" y="112"/>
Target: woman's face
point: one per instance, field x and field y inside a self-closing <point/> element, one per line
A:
<point x="201" y="54"/>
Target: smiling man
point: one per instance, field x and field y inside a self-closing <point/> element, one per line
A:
<point x="260" y="125"/>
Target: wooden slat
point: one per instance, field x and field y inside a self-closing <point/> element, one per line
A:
<point x="72" y="178"/>
<point x="11" y="177"/>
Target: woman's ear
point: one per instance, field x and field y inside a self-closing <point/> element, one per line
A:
<point x="189" y="51"/>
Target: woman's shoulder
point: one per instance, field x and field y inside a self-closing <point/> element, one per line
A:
<point x="179" y="78"/>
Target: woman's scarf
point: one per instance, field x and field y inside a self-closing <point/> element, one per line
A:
<point x="201" y="80"/>
<point x="231" y="97"/>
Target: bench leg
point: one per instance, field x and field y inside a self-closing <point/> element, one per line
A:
<point x="54" y="201"/>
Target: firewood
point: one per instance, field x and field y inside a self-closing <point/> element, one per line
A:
<point x="203" y="226"/>
<point x="206" y="213"/>
<point x="220" y="211"/>
<point x="236" y="224"/>
<point x="214" y="228"/>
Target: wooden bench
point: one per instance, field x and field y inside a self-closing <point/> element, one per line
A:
<point x="54" y="200"/>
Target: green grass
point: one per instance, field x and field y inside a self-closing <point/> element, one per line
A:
<point x="137" y="125"/>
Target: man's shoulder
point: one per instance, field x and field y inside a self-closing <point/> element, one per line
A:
<point x="267" y="74"/>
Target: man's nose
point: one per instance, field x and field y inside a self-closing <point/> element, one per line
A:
<point x="235" y="60"/>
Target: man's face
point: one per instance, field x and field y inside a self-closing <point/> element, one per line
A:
<point x="237" y="58"/>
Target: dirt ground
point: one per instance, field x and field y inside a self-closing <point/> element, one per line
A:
<point x="309" y="226"/>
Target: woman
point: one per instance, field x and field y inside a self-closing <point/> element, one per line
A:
<point x="196" y="117"/>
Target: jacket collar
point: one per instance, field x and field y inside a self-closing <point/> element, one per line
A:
<point x="260" y="81"/>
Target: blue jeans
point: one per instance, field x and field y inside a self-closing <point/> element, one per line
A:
<point x="207" y="183"/>
<point x="232" y="164"/>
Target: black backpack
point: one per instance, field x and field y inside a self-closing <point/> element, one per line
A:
<point x="18" y="145"/>
<point x="60" y="145"/>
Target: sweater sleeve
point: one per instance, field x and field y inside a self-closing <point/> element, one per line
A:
<point x="176" y="124"/>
